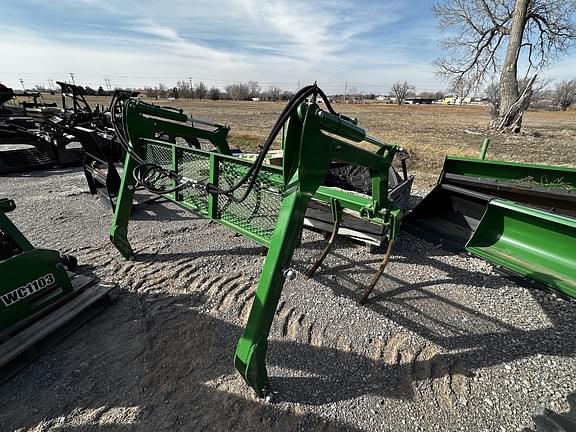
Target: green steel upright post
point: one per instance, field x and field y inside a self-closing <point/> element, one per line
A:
<point x="250" y="359"/>
<point x="484" y="148"/>
<point x="304" y="171"/>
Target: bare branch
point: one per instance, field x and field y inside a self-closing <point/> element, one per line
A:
<point x="565" y="94"/>
<point x="479" y="29"/>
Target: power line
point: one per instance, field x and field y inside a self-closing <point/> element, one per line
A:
<point x="139" y="82"/>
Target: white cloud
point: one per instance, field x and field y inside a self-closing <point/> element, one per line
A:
<point x="278" y="41"/>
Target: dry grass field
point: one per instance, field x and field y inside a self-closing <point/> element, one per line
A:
<point x="429" y="132"/>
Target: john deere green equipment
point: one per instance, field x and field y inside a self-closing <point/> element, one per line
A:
<point x="521" y="217"/>
<point x="39" y="295"/>
<point x="263" y="202"/>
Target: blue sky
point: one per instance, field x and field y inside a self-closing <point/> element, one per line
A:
<point x="369" y="44"/>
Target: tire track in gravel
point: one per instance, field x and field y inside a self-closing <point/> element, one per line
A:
<point x="231" y="293"/>
<point x="245" y="306"/>
<point x="297" y="328"/>
<point x="232" y="298"/>
<point x="419" y="368"/>
<point x="224" y="292"/>
<point x="445" y="380"/>
<point x="422" y="370"/>
<point x="218" y="288"/>
<point x="284" y="320"/>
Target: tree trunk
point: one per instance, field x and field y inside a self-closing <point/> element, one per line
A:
<point x="508" y="77"/>
<point x="511" y="120"/>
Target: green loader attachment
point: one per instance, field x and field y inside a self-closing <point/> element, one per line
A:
<point x="521" y="217"/>
<point x="263" y="202"/>
<point x="40" y="297"/>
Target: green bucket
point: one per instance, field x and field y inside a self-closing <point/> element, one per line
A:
<point x="533" y="243"/>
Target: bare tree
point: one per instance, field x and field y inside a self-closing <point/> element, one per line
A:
<point x="162" y="91"/>
<point x="490" y="36"/>
<point x="239" y="91"/>
<point x="214" y="93"/>
<point x="185" y="89"/>
<point x="286" y="95"/>
<point x="533" y="88"/>
<point x="492" y="92"/>
<point x="200" y="91"/>
<point x="400" y="90"/>
<point x="273" y="93"/>
<point x="565" y="94"/>
<point x="540" y="83"/>
<point x="462" y="87"/>
<point x="151" y="92"/>
<point x="253" y="89"/>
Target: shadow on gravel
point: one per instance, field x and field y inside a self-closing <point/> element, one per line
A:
<point x="171" y="257"/>
<point x="46" y="172"/>
<point x="160" y="211"/>
<point x="154" y="363"/>
<point x="485" y="339"/>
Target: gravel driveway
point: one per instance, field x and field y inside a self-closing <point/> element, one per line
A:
<point x="444" y="343"/>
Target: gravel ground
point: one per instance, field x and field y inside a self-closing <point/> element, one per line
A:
<point x="444" y="344"/>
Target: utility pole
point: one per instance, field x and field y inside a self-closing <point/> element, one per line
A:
<point x="108" y="85"/>
<point x="72" y="76"/>
<point x="346" y="92"/>
<point x="22" y="82"/>
<point x="191" y="92"/>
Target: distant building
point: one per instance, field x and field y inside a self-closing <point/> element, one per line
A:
<point x="456" y="100"/>
<point x="419" y="101"/>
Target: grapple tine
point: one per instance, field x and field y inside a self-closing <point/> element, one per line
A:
<point x="337" y="217"/>
<point x="378" y="274"/>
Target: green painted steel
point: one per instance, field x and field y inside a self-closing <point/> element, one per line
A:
<point x="520" y="216"/>
<point x="523" y="173"/>
<point x="533" y="243"/>
<point x="273" y="213"/>
<point x="31" y="278"/>
<point x="484" y="148"/>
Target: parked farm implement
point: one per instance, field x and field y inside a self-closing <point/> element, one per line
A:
<point x="521" y="217"/>
<point x="40" y="296"/>
<point x="262" y="202"/>
<point x="39" y="136"/>
<point x="518" y="216"/>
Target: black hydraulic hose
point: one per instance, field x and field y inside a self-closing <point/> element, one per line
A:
<point x="296" y="100"/>
<point x="147" y="172"/>
<point x="120" y="134"/>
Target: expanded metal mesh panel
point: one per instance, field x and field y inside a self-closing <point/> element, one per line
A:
<point x="159" y="154"/>
<point x="194" y="166"/>
<point x="256" y="214"/>
<point x="259" y="211"/>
